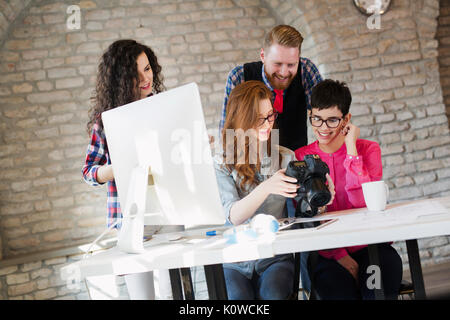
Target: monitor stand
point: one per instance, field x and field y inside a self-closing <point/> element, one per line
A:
<point x="131" y="235"/>
<point x="139" y="213"/>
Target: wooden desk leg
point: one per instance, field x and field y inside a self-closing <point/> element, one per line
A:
<point x="215" y="281"/>
<point x="187" y="283"/>
<point x="374" y="259"/>
<point x="416" y="269"/>
<point x="175" y="281"/>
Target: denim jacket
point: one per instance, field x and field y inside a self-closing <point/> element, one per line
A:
<point x="230" y="192"/>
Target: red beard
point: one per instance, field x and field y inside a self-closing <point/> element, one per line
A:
<point x="277" y="84"/>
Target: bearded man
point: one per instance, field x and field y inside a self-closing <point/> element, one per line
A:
<point x="289" y="76"/>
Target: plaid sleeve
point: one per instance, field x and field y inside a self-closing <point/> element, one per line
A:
<point x="95" y="156"/>
<point x="235" y="77"/>
<point x="310" y="77"/>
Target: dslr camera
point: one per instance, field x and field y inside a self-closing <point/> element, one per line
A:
<point x="313" y="193"/>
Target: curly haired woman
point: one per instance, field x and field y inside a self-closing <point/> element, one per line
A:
<point x="128" y="71"/>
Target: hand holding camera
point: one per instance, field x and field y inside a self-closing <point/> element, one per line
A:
<point x="281" y="184"/>
<point x="313" y="193"/>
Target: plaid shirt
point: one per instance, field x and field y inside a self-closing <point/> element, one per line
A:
<point x="309" y="73"/>
<point x="96" y="156"/>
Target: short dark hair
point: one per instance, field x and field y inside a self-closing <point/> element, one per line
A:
<point x="329" y="93"/>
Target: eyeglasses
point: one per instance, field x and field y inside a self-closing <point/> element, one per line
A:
<point x="271" y="118"/>
<point x="331" y="122"/>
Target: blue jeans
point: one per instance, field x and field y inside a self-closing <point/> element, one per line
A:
<point x="274" y="283"/>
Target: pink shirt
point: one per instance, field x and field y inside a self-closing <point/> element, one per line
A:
<point x="348" y="173"/>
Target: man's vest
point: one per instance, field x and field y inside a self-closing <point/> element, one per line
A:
<point x="292" y="121"/>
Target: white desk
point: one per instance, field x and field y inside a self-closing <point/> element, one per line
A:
<point x="358" y="227"/>
<point x="353" y="227"/>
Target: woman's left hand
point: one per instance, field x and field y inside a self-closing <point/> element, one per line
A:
<point x="351" y="133"/>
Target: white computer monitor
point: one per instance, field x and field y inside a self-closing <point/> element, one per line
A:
<point x="166" y="133"/>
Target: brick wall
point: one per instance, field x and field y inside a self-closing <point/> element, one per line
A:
<point x="8" y="13"/>
<point x="48" y="78"/>
<point x="38" y="280"/>
<point x="48" y="74"/>
<point x="443" y="36"/>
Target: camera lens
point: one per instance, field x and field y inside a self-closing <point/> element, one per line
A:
<point x="318" y="194"/>
<point x="320" y="199"/>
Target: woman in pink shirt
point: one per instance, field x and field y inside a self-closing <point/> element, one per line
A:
<point x="341" y="273"/>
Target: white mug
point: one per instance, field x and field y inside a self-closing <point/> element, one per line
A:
<point x="376" y="195"/>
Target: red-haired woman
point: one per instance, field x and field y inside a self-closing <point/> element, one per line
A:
<point x="251" y="178"/>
